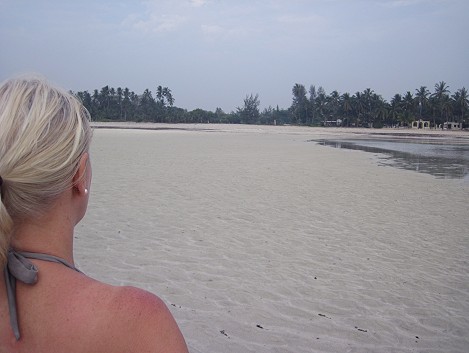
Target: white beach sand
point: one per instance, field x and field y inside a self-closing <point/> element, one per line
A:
<point x="260" y="241"/>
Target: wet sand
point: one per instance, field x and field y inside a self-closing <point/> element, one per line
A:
<point x="260" y="241"/>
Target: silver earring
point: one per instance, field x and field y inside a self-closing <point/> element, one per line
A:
<point x="86" y="191"/>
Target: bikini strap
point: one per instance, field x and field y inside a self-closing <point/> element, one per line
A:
<point x="19" y="268"/>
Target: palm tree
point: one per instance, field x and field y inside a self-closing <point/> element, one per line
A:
<point x="359" y="106"/>
<point x="160" y="95"/>
<point x="104" y="95"/>
<point x="119" y="101"/>
<point x="396" y="108"/>
<point x="299" y="104"/>
<point x="95" y="102"/>
<point x="321" y="101"/>
<point x="379" y="110"/>
<point x="381" y="115"/>
<point x="346" y="102"/>
<point x="126" y="102"/>
<point x="447" y="107"/>
<point x="312" y="102"/>
<point x="421" y="95"/>
<point x="333" y="103"/>
<point x="441" y="90"/>
<point x="461" y="100"/>
<point x="147" y="105"/>
<point x="408" y="107"/>
<point x="169" y="97"/>
<point x="367" y="96"/>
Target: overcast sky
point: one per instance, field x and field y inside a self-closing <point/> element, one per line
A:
<point x="212" y="53"/>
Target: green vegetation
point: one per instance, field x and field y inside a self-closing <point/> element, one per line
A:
<point x="313" y="108"/>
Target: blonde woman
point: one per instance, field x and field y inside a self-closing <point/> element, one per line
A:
<point x="46" y="304"/>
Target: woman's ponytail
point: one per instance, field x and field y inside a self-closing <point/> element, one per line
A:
<point x="6" y="226"/>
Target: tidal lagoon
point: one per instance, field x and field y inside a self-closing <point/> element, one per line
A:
<point x="442" y="159"/>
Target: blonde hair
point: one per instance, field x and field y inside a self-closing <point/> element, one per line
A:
<point x="43" y="133"/>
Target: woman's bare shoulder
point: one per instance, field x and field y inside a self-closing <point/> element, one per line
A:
<point x="136" y="320"/>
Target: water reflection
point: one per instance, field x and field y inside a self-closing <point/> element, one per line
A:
<point x="443" y="160"/>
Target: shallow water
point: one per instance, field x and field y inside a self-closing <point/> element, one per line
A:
<point x="442" y="160"/>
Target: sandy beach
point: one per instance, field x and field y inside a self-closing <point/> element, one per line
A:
<point x="260" y="240"/>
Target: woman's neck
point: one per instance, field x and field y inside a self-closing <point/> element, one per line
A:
<point x="52" y="234"/>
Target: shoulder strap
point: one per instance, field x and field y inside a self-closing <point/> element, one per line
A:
<point x="18" y="267"/>
<point x="47" y="257"/>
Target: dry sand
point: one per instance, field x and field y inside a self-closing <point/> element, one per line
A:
<point x="260" y="241"/>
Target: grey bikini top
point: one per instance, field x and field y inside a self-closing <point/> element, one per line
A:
<point x="20" y="268"/>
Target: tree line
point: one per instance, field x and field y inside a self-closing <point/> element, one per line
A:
<point x="313" y="107"/>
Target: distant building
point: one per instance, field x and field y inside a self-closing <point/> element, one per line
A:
<point x="420" y="124"/>
<point x="450" y="125"/>
<point x="337" y="122"/>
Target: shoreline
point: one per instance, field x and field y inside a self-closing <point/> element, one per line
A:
<point x="401" y="133"/>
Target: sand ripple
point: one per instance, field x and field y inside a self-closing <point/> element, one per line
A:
<point x="263" y="242"/>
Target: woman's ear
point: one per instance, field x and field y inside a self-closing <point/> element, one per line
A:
<point x="80" y="182"/>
